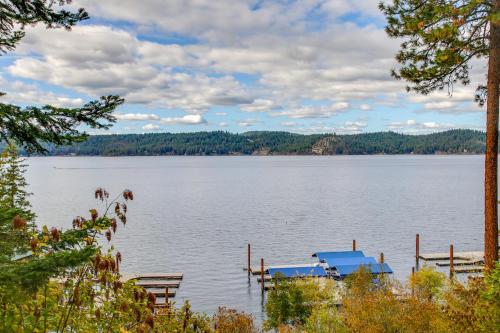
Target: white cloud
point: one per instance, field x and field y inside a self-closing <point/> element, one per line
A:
<point x="221" y="113"/>
<point x="259" y="105"/>
<point x="322" y="111"/>
<point x="190" y="119"/>
<point x="20" y="92"/>
<point x="352" y="127"/>
<point x="248" y="122"/>
<point x="413" y="126"/>
<point x="289" y="124"/>
<point x="223" y="124"/>
<point x="136" y="116"/>
<point x="365" y="107"/>
<point x="295" y="58"/>
<point x="151" y="127"/>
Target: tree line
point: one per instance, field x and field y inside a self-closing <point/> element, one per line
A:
<point x="459" y="141"/>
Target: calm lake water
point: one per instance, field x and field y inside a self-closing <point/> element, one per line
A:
<point x="197" y="214"/>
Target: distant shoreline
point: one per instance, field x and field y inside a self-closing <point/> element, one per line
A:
<point x="218" y="143"/>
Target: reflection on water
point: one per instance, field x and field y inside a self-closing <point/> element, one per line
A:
<point x="197" y="214"/>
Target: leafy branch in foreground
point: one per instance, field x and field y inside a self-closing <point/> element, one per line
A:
<point x="31" y="126"/>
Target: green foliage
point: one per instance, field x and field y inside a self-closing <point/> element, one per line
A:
<point x="31" y="126"/>
<point x="324" y="319"/>
<point x="231" y="321"/>
<point x="291" y="302"/>
<point x="427" y="303"/>
<point x="13" y="184"/>
<point x="428" y="283"/>
<point x="224" y="143"/>
<point x="439" y="40"/>
<point x="16" y="217"/>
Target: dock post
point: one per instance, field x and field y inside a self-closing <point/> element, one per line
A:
<point x="166" y="296"/>
<point x="417" y="252"/>
<point x="451" y="262"/>
<point x="354" y="245"/>
<point x="262" y="274"/>
<point x="381" y="257"/>
<point x="249" y="269"/>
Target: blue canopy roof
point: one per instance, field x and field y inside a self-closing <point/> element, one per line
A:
<point x="350" y="261"/>
<point x="338" y="254"/>
<point x="304" y="271"/>
<point x="344" y="270"/>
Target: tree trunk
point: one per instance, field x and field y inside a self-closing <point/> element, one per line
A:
<point x="491" y="158"/>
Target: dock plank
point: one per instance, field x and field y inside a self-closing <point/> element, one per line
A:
<point x="153" y="276"/>
<point x="459" y="262"/>
<point x="469" y="269"/>
<point x="160" y="292"/>
<point x="158" y="284"/>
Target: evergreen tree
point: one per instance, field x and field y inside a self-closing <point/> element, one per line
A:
<point x="440" y="39"/>
<point x="32" y="125"/>
<point x="13" y="184"/>
<point x="16" y="217"/>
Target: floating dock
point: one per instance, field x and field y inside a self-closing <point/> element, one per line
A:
<point x="162" y="285"/>
<point x="328" y="265"/>
<point x="458" y="262"/>
<point x="471" y="256"/>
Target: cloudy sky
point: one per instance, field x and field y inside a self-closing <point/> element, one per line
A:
<point x="305" y="66"/>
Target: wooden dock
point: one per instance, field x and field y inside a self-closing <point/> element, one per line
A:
<point x="158" y="284"/>
<point x="463" y="262"/>
<point x="468" y="256"/>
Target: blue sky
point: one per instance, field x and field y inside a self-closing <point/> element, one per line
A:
<point x="308" y="66"/>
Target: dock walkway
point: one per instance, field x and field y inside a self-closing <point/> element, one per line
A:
<point x="159" y="284"/>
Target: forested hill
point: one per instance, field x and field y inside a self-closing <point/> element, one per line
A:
<point x="276" y="143"/>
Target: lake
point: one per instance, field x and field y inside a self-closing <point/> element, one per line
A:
<point x="197" y="214"/>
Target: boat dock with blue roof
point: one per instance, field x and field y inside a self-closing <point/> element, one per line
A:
<point x="332" y="264"/>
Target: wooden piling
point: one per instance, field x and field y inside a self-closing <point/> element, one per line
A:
<point x="451" y="261"/>
<point x="412" y="281"/>
<point x="166" y="296"/>
<point x="249" y="269"/>
<point x="262" y="281"/>
<point x="417" y="251"/>
<point x="354" y="245"/>
<point x="381" y="257"/>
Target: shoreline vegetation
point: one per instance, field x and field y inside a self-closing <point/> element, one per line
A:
<point x="264" y="143"/>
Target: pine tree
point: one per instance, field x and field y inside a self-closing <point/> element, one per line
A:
<point x="16" y="217"/>
<point x="13" y="184"/>
<point x="440" y="39"/>
<point x="31" y="126"/>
